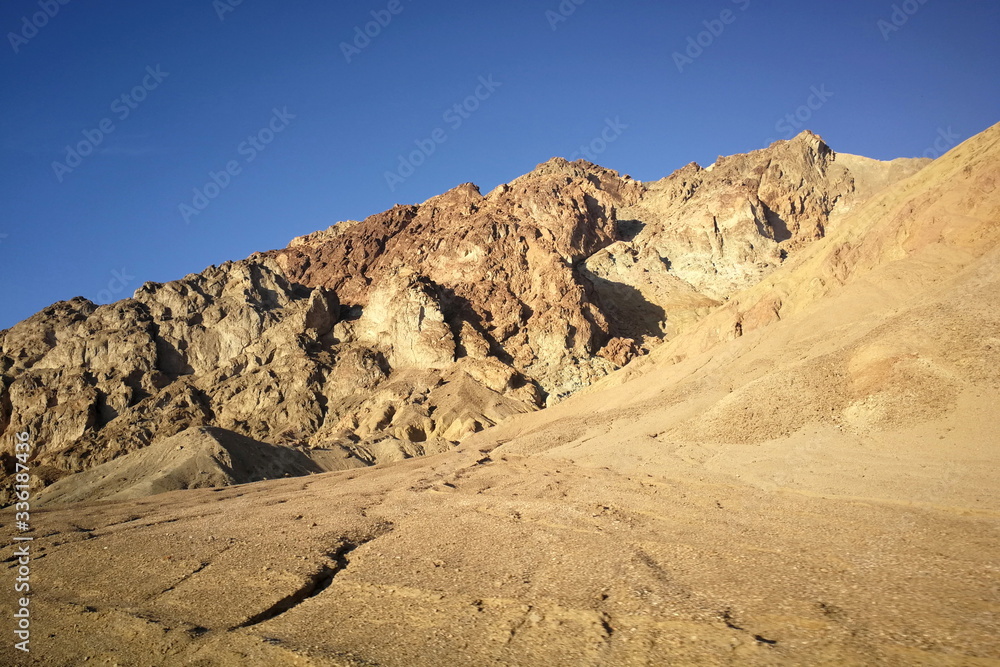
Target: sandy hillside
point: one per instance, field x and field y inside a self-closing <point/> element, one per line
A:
<point x="806" y="476"/>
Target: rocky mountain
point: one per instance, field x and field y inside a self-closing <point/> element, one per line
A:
<point x="804" y="474"/>
<point x="407" y="332"/>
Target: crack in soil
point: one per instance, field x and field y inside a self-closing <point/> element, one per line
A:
<point x="317" y="582"/>
<point x="187" y="576"/>
<point x="727" y="618"/>
<point x="605" y="620"/>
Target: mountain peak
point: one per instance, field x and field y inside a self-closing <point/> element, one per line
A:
<point x="515" y="300"/>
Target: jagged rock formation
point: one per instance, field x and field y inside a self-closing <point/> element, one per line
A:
<point x="819" y="490"/>
<point x="723" y="228"/>
<point x="404" y="333"/>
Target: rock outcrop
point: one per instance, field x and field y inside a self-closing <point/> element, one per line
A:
<point x="406" y="332"/>
<point x="700" y="235"/>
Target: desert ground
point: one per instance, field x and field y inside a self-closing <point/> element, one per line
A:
<point x="805" y="475"/>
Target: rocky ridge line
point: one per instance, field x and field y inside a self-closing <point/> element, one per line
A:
<point x="404" y="333"/>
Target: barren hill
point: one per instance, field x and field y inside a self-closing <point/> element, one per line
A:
<point x="803" y="472"/>
<point x="405" y="333"/>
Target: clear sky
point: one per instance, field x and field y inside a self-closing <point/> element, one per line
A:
<point x="115" y="113"/>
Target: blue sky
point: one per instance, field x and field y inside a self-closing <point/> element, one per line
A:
<point x="300" y="131"/>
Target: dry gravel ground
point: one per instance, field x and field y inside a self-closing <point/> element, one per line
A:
<point x="481" y="557"/>
<point x="818" y="490"/>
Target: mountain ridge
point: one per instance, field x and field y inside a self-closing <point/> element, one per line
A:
<point x="406" y="332"/>
<point x="815" y="486"/>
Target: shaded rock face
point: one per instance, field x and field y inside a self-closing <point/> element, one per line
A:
<point x="402" y="334"/>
